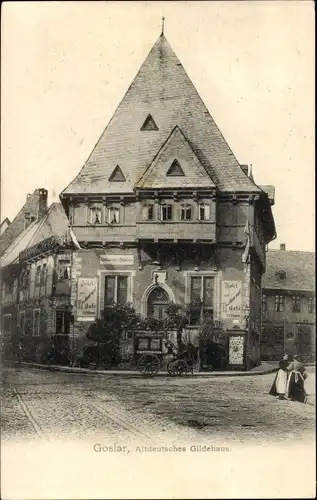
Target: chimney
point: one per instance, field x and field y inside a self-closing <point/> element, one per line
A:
<point x="42" y="194"/>
<point x="282" y="246"/>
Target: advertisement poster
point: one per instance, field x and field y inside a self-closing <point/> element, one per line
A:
<point x="87" y="297"/>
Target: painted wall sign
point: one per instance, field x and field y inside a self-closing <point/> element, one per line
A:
<point x="87" y="297"/>
<point x="231" y="300"/>
<point x="113" y="260"/>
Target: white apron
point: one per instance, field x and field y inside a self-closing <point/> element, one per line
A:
<point x="281" y="381"/>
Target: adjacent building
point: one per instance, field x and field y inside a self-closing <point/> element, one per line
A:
<point x="288" y="305"/>
<point x="164" y="212"/>
<point x="35" y="282"/>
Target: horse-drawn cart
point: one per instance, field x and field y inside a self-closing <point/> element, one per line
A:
<point x="149" y="352"/>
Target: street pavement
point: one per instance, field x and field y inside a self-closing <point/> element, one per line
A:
<point x="39" y="404"/>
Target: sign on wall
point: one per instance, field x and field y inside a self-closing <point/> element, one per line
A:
<point x="231" y="300"/>
<point x="113" y="260"/>
<point x="87" y="297"/>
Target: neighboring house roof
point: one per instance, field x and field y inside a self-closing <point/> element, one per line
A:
<point x="53" y="223"/>
<point x="163" y="90"/>
<point x="175" y="148"/>
<point x="298" y="267"/>
<point x="270" y="191"/>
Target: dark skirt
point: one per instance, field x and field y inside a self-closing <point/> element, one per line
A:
<point x="296" y="389"/>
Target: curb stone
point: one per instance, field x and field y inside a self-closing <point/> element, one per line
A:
<point x="132" y="373"/>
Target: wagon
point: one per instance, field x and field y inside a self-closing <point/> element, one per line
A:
<point x="149" y="355"/>
<point x="148" y="349"/>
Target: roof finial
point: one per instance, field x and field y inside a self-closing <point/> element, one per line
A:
<point x="163" y="22"/>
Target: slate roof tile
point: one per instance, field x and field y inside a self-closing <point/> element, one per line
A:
<point x="298" y="266"/>
<point x="163" y="89"/>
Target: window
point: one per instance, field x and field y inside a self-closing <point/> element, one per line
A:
<point x="114" y="215"/>
<point x="8" y="288"/>
<point x="95" y="215"/>
<point x="62" y="322"/>
<point x="63" y="270"/>
<point x="264" y="336"/>
<point x="175" y="170"/>
<point x="116" y="289"/>
<point x="279" y="303"/>
<point x="6" y="325"/>
<point x="264" y="302"/>
<point x="201" y="293"/>
<point x="117" y="175"/>
<point x="22" y="324"/>
<point x="149" y="124"/>
<point x="278" y="335"/>
<point x="296" y="304"/>
<point x="311" y="305"/>
<point x="38" y="275"/>
<point x="166" y="212"/>
<point x="36" y="323"/>
<point x="44" y="274"/>
<point x="204" y="211"/>
<point x="186" y="211"/>
<point x="148" y="212"/>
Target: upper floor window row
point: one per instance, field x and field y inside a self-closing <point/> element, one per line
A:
<point x="169" y="212"/>
<point x="111" y="216"/>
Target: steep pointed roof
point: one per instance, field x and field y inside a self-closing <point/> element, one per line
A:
<point x="163" y="90"/>
<point x="175" y="148"/>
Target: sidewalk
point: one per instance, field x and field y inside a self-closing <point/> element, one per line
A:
<point x="263" y="369"/>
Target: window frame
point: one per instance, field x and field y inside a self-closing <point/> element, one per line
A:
<point x="64" y="266"/>
<point x="116" y="288"/>
<point x="296" y="303"/>
<point x="92" y="215"/>
<point x="184" y="207"/>
<point x="278" y="331"/>
<point x="204" y="205"/>
<point x="146" y="211"/>
<point x="311" y="305"/>
<point x="279" y="301"/>
<point x="203" y="309"/>
<point x="65" y="314"/>
<point x="111" y="209"/>
<point x="38" y="274"/>
<point x="35" y="311"/>
<point x="166" y="206"/>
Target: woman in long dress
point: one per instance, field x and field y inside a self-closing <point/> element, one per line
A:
<point x="280" y="382"/>
<point x="295" y="389"/>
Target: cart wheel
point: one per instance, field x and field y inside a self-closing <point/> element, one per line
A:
<point x="148" y="364"/>
<point x="177" y="367"/>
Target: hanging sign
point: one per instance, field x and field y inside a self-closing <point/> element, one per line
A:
<point x="87" y="297"/>
<point x="231" y="300"/>
<point x="112" y="260"/>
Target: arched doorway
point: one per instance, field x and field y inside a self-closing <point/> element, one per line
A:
<point x="157" y="303"/>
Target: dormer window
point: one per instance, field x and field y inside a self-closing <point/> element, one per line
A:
<point x="95" y="215"/>
<point x="113" y="215"/>
<point x="149" y="124"/>
<point x="117" y="175"/>
<point x="281" y="275"/>
<point x="175" y="170"/>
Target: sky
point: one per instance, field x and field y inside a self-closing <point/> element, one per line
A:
<point x="67" y="65"/>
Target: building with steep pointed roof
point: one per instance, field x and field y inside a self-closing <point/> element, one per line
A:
<point x="165" y="213"/>
<point x="288" y="304"/>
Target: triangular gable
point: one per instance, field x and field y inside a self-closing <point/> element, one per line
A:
<point x="163" y="86"/>
<point x="176" y="152"/>
<point x="149" y="124"/>
<point x="175" y="169"/>
<point x="117" y="175"/>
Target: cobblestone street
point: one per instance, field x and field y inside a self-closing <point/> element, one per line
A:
<point x="59" y="431"/>
<point x="37" y="403"/>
